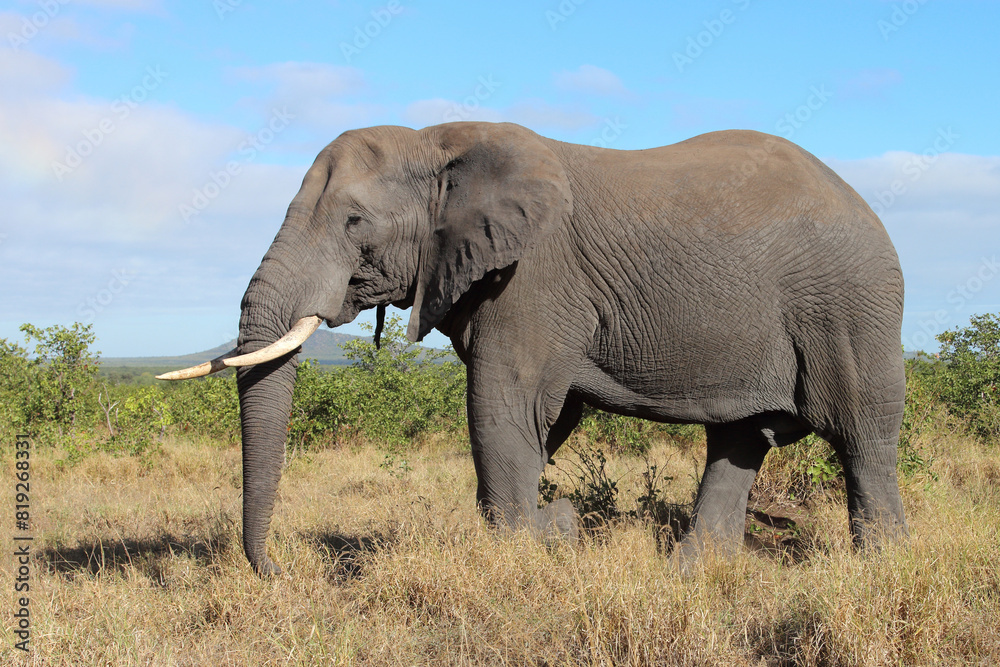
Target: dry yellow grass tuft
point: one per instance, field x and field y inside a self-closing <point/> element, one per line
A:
<point x="387" y="563"/>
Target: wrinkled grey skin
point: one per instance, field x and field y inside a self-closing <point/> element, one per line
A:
<point x="731" y="280"/>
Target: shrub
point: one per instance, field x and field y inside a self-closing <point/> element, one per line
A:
<point x="137" y="421"/>
<point x="669" y="519"/>
<point x="918" y="417"/>
<point x="388" y="396"/>
<point x="799" y="471"/>
<point x="50" y="394"/>
<point x="631" y="435"/>
<point x="594" y="494"/>
<point x="969" y="380"/>
<point x="16" y="382"/>
<point x="209" y="406"/>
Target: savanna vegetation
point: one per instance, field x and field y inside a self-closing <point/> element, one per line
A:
<point x="135" y="513"/>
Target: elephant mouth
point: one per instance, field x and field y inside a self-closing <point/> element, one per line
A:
<point x="347" y="314"/>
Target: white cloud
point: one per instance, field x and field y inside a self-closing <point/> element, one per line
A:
<point x="23" y="73"/>
<point x="100" y="166"/>
<point x="20" y="31"/>
<point x="305" y="80"/>
<point x="942" y="212"/>
<point x="315" y="93"/>
<point x="591" y="80"/>
<point x="901" y="181"/>
<point x="132" y="163"/>
<point x="63" y="235"/>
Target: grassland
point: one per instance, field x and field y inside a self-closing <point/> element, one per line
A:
<point x="138" y="562"/>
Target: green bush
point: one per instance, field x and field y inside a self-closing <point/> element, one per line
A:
<point x="798" y="471"/>
<point x="392" y="395"/>
<point x="631" y="435"/>
<point x="49" y="395"/>
<point x="208" y="406"/>
<point x="969" y="379"/>
<point x="16" y="382"/>
<point x="921" y="407"/>
<point x="388" y="396"/>
<point x="136" y="421"/>
<point x="594" y="494"/>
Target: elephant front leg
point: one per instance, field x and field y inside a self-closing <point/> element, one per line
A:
<point x="735" y="454"/>
<point x="511" y="442"/>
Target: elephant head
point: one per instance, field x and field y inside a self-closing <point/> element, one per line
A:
<point x="385" y="215"/>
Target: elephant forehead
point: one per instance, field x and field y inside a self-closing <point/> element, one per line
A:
<point x="367" y="191"/>
<point x="371" y="149"/>
<point x="354" y="176"/>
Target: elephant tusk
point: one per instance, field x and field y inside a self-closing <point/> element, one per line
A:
<point x="291" y="340"/>
<point x="213" y="366"/>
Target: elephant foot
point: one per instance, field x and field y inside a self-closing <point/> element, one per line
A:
<point x="871" y="536"/>
<point x="266" y="569"/>
<point x="558" y="521"/>
<point x="697" y="545"/>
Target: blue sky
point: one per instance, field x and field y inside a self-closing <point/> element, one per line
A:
<point x="118" y="119"/>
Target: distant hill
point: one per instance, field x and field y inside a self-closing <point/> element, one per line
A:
<point x="323" y="346"/>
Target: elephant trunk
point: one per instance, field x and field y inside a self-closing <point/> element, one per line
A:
<point x="265" y="404"/>
<point x="274" y="300"/>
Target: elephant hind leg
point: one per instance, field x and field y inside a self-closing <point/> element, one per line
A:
<point x="867" y="445"/>
<point x="858" y="408"/>
<point x="874" y="505"/>
<point x="735" y="454"/>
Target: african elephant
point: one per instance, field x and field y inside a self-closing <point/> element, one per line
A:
<point x="731" y="280"/>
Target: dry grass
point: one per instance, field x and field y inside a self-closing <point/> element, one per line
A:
<point x="144" y="566"/>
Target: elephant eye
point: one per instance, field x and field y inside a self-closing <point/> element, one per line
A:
<point x="358" y="228"/>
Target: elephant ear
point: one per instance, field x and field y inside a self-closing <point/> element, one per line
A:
<point x="489" y="206"/>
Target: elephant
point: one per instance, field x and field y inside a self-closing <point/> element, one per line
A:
<point x="731" y="279"/>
